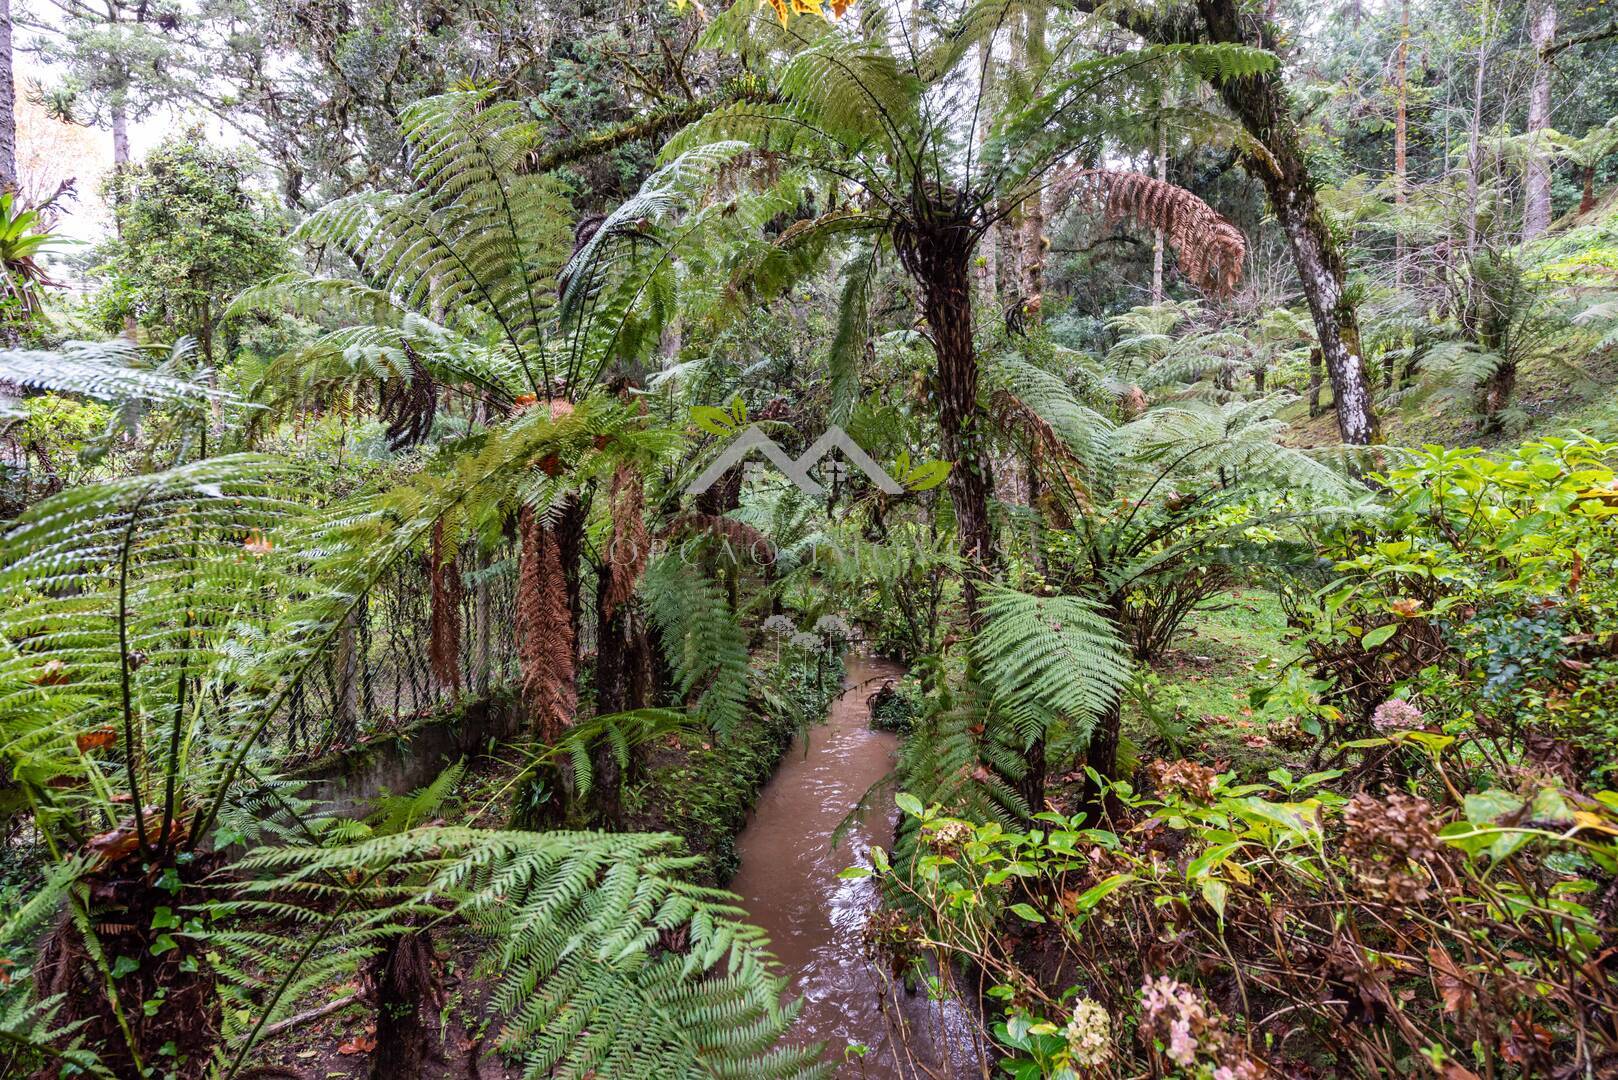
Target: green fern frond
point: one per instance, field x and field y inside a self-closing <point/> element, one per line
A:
<point x="1049" y="656"/>
<point x="605" y="959"/>
<point x="705" y="646"/>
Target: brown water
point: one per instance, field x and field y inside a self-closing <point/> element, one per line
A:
<point x="788" y="883"/>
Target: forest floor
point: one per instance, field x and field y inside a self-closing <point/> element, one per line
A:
<point x="1202" y="696"/>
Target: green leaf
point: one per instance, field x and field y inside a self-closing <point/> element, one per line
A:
<point x="854" y="873"/>
<point x="713" y="421"/>
<point x="908" y="803"/>
<point x="1491" y="805"/>
<point x="124" y="965"/>
<point x="164" y="919"/>
<point x="1373" y="638"/>
<point x="1092" y="896"/>
<point x="926" y="476"/>
<point x="1028" y="913"/>
<point x="1215" y="892"/>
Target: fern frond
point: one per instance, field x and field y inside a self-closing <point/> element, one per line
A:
<point x="705" y="646"/>
<point x="1049" y="656"/>
<point x="605" y="959"/>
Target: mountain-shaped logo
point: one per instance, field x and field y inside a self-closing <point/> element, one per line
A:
<point x="730" y="421"/>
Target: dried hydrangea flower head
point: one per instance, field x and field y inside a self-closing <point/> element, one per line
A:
<point x="1390" y="843"/>
<point x="1176" y="1016"/>
<point x="1396" y="714"/>
<point x="1186" y="777"/>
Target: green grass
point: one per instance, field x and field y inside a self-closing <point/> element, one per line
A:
<point x="1209" y="673"/>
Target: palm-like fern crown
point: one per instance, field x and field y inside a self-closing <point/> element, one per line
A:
<point x="475" y="247"/>
<point x="889" y="110"/>
<point x="131" y="601"/>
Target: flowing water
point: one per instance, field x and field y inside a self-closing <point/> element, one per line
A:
<point x="789" y="885"/>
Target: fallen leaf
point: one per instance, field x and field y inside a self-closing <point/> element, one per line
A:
<point x="96" y="738"/>
<point x="360" y="1045"/>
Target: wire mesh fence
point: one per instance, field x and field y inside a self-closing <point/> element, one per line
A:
<point x="378" y="674"/>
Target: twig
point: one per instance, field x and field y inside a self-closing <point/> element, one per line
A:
<point x="313" y="1014"/>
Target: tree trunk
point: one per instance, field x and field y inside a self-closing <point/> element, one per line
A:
<point x="1160" y="169"/>
<point x="989" y="263"/>
<point x="1102" y="752"/>
<point x="1497" y="390"/>
<point x="1537" y="193"/>
<point x="1314" y="383"/>
<point x="1260" y="103"/>
<point x="1400" y="138"/>
<point x="1474" y="132"/>
<point x="120" y="162"/>
<point x="937" y="255"/>
<point x="409" y="995"/>
<point x="1587" y="201"/>
<point x="8" y="104"/>
<point x="612" y="696"/>
<point x="1033" y="207"/>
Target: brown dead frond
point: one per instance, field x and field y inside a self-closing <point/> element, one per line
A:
<point x="1209" y="249"/>
<point x="408" y="404"/>
<point x="444" y="644"/>
<point x="544" y="630"/>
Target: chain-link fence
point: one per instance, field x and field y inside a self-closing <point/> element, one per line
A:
<point x="378" y="673"/>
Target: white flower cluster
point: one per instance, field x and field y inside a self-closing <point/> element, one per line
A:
<point x="1088" y="1034"/>
<point x="831" y="626"/>
<point x="779" y="624"/>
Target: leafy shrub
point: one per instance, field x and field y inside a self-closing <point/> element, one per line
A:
<point x="1229" y="929"/>
<point x="1487" y="593"/>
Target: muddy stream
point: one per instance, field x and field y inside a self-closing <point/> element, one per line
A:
<point x="816" y="921"/>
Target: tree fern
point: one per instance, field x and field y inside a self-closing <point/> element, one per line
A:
<point x="114" y="371"/>
<point x="478" y="240"/>
<point x="1044" y="657"/>
<point x="606" y="962"/>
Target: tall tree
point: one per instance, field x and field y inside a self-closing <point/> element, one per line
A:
<point x="1276" y="156"/>
<point x="8" y="104"/>
<point x="190" y="236"/>
<point x="1401" y="133"/>
<point x="1537" y="182"/>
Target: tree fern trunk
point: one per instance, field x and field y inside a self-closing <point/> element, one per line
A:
<point x="1102" y="752"/>
<point x="938" y="254"/>
<point x="612" y="695"/>
<point x="409" y="995"/>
